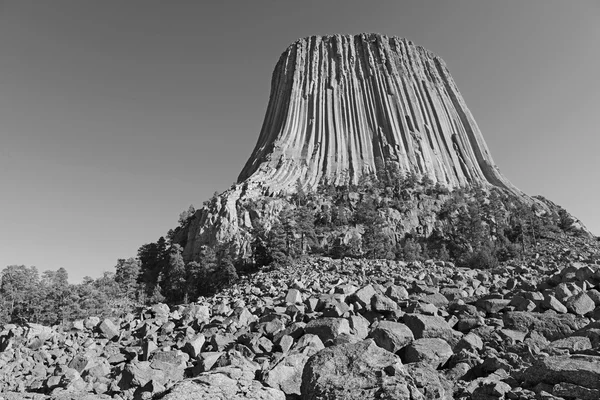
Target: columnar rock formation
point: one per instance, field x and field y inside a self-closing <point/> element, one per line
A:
<point x="340" y="102"/>
<point x="337" y="105"/>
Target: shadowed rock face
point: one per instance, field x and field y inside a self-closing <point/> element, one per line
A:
<point x="340" y="102"/>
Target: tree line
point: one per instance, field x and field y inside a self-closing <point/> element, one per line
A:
<point x="474" y="226"/>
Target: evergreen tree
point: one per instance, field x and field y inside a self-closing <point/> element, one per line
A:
<point x="154" y="260"/>
<point x="127" y="275"/>
<point x="174" y="283"/>
<point x="305" y="225"/>
<point x="411" y="250"/>
<point x="277" y="244"/>
<point x="260" y="253"/>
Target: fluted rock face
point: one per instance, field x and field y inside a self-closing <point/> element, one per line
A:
<point x="337" y="105"/>
<point x="340" y="102"/>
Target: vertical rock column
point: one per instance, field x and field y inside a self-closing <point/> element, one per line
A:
<point x="339" y="102"/>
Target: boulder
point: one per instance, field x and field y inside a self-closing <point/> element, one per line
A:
<point x="551" y="326"/>
<point x="391" y="336"/>
<point x="109" y="329"/>
<point x="360" y="371"/>
<point x="426" y="326"/>
<point x="286" y="375"/>
<point x="580" y="304"/>
<point x="579" y="370"/>
<point x="433" y="351"/>
<point x="234" y="382"/>
<point x="327" y="329"/>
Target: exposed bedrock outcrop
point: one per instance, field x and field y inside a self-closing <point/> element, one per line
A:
<point x="339" y="102"/>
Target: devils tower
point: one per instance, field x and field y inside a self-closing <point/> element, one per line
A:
<point x="341" y="106"/>
<point x="339" y="102"/>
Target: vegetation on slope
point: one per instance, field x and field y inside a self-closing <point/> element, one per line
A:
<point x="475" y="226"/>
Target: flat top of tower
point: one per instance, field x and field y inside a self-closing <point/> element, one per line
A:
<point x="365" y="37"/>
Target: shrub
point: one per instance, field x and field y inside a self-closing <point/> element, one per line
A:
<point x="483" y="258"/>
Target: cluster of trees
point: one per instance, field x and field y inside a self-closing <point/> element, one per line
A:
<point x="50" y="299"/>
<point x="165" y="277"/>
<point x="475" y="226"/>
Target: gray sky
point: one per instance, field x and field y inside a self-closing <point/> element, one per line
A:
<point x="115" y="116"/>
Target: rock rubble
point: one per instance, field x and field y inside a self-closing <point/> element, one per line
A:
<point x="334" y="329"/>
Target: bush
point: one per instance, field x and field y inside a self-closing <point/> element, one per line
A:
<point x="412" y="250"/>
<point x="483" y="258"/>
<point x="508" y="252"/>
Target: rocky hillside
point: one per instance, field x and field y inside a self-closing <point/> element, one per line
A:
<point x="338" y="329"/>
<point x="343" y="107"/>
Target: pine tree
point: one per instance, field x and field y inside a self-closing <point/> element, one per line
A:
<point x="305" y="225"/>
<point x="156" y="296"/>
<point x="277" y="244"/>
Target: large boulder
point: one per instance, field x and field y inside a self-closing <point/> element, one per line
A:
<point x="391" y="336"/>
<point x="551" y="326"/>
<point x="579" y="370"/>
<point x="327" y="329"/>
<point x="427" y="326"/>
<point x="360" y="371"/>
<point x="233" y="382"/>
<point x="286" y="375"/>
<point x="433" y="351"/>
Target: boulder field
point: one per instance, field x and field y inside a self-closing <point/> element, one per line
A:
<point x="334" y="329"/>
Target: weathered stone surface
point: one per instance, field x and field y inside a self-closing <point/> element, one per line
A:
<point x="230" y="382"/>
<point x="287" y="374"/>
<point x="418" y="120"/>
<point x="109" y="329"/>
<point x="391" y="336"/>
<point x="493" y="306"/>
<point x="194" y="346"/>
<point x="578" y="370"/>
<point x="350" y="65"/>
<point x="364" y="371"/>
<point x="293" y="296"/>
<point x="568" y="390"/>
<point x="433" y="351"/>
<point x="425" y="326"/>
<point x="572" y="343"/>
<point x="328" y="328"/>
<point x="552" y="303"/>
<point x="580" y="304"/>
<point x="551" y="326"/>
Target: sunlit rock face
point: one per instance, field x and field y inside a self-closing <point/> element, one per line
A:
<point x="338" y="105"/>
<point x="339" y="102"/>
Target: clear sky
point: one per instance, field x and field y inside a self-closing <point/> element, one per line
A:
<point x="116" y="115"/>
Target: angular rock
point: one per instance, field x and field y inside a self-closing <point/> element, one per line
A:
<point x="360" y="371"/>
<point x="109" y="329"/>
<point x="230" y="382"/>
<point x="391" y="336"/>
<point x="580" y="304"/>
<point x="328" y="329"/>
<point x="294" y="297"/>
<point x="433" y="351"/>
<point x="424" y="326"/>
<point x="194" y="346"/>
<point x="575" y="369"/>
<point x="383" y="304"/>
<point x="493" y="306"/>
<point x="286" y="375"/>
<point x="364" y="295"/>
<point x="550" y="302"/>
<point x="551" y="326"/>
<point x="568" y="390"/>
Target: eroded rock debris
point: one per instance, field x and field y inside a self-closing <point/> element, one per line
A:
<point x="336" y="329"/>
